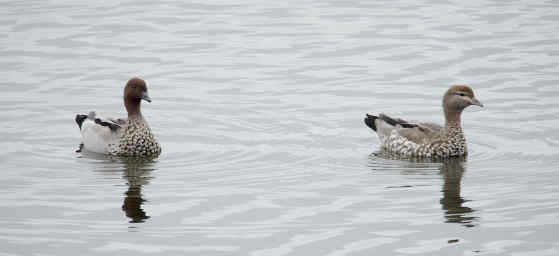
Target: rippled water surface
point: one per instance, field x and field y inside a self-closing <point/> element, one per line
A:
<point x="259" y="107"/>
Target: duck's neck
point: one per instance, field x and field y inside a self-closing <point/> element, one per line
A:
<point x="135" y="117"/>
<point x="133" y="108"/>
<point x="453" y="118"/>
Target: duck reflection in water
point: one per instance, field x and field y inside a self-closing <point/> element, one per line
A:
<point x="137" y="173"/>
<point x="450" y="169"/>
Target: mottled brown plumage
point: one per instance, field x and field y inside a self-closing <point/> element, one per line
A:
<point x="427" y="139"/>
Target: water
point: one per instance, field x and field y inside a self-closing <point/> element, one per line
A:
<point x="259" y="108"/>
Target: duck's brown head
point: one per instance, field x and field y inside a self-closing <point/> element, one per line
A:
<point x="134" y="92"/>
<point x="456" y="99"/>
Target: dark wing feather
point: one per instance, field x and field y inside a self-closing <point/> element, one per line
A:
<point x="397" y="121"/>
<point x="112" y="125"/>
<point x="119" y="121"/>
<point x="416" y="132"/>
<point x="421" y="132"/>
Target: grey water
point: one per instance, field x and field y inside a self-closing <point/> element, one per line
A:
<point x="259" y="108"/>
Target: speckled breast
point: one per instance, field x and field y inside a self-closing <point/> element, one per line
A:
<point x="136" y="140"/>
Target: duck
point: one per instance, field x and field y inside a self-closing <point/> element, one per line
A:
<point x="126" y="136"/>
<point x="426" y="139"/>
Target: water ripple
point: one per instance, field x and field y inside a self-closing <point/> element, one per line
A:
<point x="259" y="107"/>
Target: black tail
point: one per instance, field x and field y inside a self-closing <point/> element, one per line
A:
<point x="370" y="121"/>
<point x="79" y="120"/>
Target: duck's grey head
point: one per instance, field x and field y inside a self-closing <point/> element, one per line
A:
<point x="134" y="92"/>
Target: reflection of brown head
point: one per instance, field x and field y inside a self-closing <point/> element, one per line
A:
<point x="134" y="92"/>
<point x="132" y="205"/>
<point x="137" y="174"/>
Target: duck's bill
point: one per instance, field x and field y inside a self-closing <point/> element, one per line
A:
<point x="146" y="97"/>
<point x="477" y="102"/>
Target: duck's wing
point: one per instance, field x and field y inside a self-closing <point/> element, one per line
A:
<point x="98" y="132"/>
<point x="120" y="122"/>
<point x="421" y="132"/>
<point x="416" y="132"/>
<point x="111" y="122"/>
<point x="430" y="127"/>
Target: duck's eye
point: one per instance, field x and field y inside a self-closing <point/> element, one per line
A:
<point x="460" y="94"/>
<point x="134" y="86"/>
